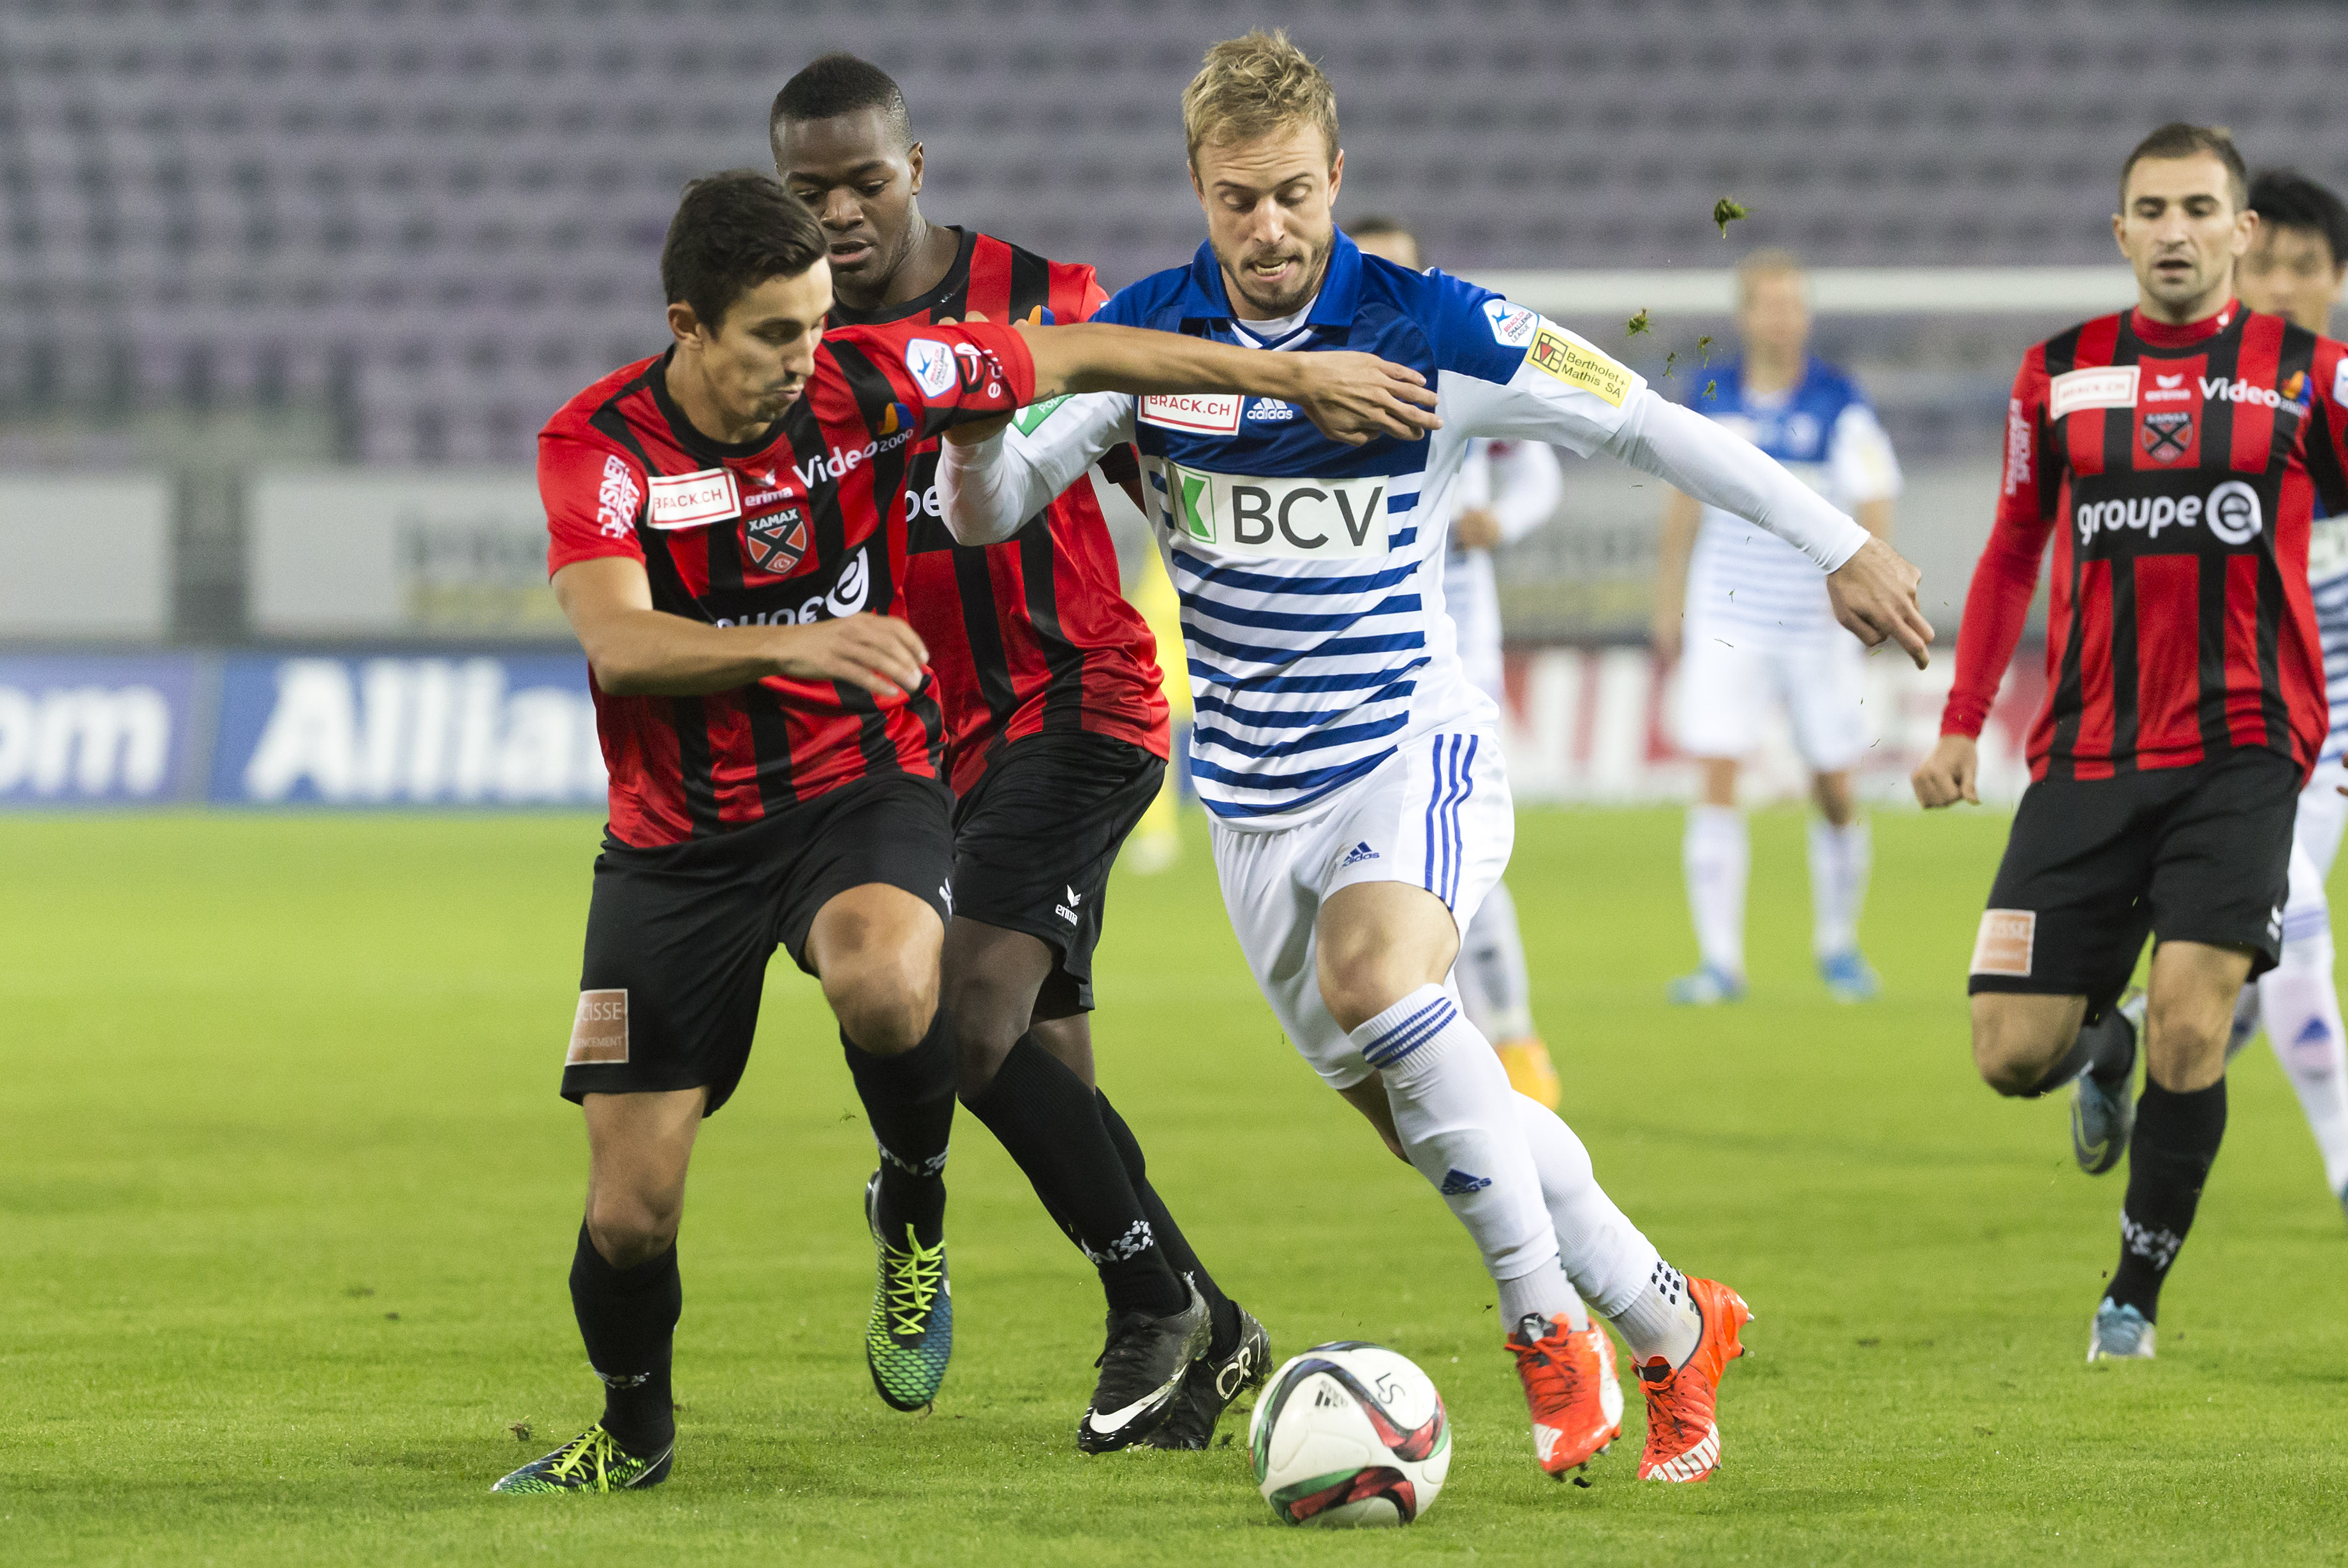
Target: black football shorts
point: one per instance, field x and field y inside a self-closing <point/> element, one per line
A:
<point x="678" y="935"/>
<point x="2094" y="866"/>
<point x="1034" y="841"/>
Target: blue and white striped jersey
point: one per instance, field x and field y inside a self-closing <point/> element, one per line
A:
<point x="1311" y="573"/>
<point x="2327" y="579"/>
<point x="1746" y="586"/>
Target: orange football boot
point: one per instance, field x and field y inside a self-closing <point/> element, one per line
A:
<point x="1531" y="1072"/>
<point x="1571" y="1386"/>
<point x="1682" y="1437"/>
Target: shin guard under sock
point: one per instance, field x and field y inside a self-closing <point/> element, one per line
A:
<point x="1050" y="1123"/>
<point x="1172" y="1244"/>
<point x="2177" y="1138"/>
<point x="628" y="1319"/>
<point x="908" y="1100"/>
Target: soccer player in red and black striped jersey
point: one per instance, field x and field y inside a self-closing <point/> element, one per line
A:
<point x="722" y="544"/>
<point x="1056" y="727"/>
<point x="2175" y="453"/>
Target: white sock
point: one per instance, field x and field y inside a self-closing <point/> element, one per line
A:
<point x="1493" y="982"/>
<point x="1609" y="1260"/>
<point x="1839" y="860"/>
<point x="2301" y="1009"/>
<point x="1717" y="858"/>
<point x="1452" y="1110"/>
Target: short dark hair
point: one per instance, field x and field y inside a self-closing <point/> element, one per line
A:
<point x="733" y="232"/>
<point x="837" y="84"/>
<point x="2286" y="198"/>
<point x="2179" y="139"/>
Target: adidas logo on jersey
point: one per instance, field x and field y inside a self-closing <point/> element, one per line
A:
<point x="1356" y="855"/>
<point x="1458" y="1184"/>
<point x="1271" y="408"/>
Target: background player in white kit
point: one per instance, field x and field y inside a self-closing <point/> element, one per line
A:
<point x="2295" y="269"/>
<point x="1506" y="489"/>
<point x="1745" y="618"/>
<point x="1360" y="809"/>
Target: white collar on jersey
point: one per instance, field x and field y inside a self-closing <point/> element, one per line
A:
<point x="1269" y="333"/>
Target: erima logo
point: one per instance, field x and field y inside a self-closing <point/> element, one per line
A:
<point x="1458" y="1184"/>
<point x="1067" y="911"/>
<point x="1356" y="855"/>
<point x="2169" y="389"/>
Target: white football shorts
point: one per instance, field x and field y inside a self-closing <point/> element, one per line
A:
<point x="1436" y="815"/>
<point x="1723" y="695"/>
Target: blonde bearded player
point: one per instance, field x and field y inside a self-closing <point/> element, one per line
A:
<point x="1507" y="489"/>
<point x="1360" y="809"/>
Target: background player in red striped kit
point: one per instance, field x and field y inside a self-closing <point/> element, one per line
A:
<point x="719" y="517"/>
<point x="1057" y="743"/>
<point x="2175" y="452"/>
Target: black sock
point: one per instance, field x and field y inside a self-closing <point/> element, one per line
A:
<point x="2177" y="1138"/>
<point x="2111" y="1047"/>
<point x="628" y="1318"/>
<point x="1171" y="1239"/>
<point x="1045" y="1119"/>
<point x="2070" y="1064"/>
<point x="909" y="1098"/>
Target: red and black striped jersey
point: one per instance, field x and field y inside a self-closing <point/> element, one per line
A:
<point x="2178" y="467"/>
<point x="788" y="529"/>
<point x="1033" y="633"/>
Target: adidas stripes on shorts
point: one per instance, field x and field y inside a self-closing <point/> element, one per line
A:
<point x="1436" y="815"/>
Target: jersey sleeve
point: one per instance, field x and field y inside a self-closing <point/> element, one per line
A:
<point x="938" y="376"/>
<point x="1511" y="373"/>
<point x="1860" y="457"/>
<point x="592" y="494"/>
<point x="1997" y="605"/>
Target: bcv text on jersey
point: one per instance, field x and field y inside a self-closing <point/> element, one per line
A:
<point x="1299" y="519"/>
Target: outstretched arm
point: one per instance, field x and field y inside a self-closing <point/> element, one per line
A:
<point x="1353" y="397"/>
<point x="989" y="482"/>
<point x="1873" y="590"/>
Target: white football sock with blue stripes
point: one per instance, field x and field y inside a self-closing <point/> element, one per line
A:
<point x="1453" y="1111"/>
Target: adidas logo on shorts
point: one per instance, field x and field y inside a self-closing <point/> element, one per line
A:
<point x="1356" y="855"/>
<point x="1458" y="1184"/>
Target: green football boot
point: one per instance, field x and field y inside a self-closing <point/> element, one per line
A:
<point x="911" y="1335"/>
<point x="591" y="1461"/>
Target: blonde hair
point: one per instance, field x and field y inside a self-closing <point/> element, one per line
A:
<point x="1768" y="263"/>
<point x="1256" y="84"/>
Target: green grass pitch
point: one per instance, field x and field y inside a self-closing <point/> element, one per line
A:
<point x="289" y="1199"/>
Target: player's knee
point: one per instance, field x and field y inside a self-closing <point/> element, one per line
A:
<point x="885" y="1007"/>
<point x="631" y="1224"/>
<point x="1359" y="984"/>
<point x="2010" y="1058"/>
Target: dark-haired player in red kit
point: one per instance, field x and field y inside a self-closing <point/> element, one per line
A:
<point x="1057" y="743"/>
<point x="721" y="546"/>
<point x="2175" y="452"/>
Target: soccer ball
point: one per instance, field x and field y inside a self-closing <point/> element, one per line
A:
<point x="1349" y="1433"/>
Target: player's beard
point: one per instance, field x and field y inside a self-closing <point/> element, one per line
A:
<point x="1312" y="265"/>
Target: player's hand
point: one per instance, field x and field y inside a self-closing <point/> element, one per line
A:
<point x="1476" y="528"/>
<point x="881" y="654"/>
<point x="1953" y="773"/>
<point x="1874" y="595"/>
<point x="1357" y="397"/>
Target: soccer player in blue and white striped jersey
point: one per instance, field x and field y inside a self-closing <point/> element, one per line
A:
<point x="1747" y="622"/>
<point x="2296" y="269"/>
<point x="1353" y="772"/>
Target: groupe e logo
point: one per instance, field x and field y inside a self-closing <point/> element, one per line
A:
<point x="2232" y="510"/>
